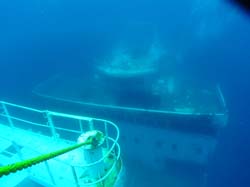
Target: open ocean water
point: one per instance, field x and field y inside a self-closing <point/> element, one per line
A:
<point x="206" y="41"/>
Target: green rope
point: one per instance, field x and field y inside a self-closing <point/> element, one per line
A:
<point x="12" y="168"/>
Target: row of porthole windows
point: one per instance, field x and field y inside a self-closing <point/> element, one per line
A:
<point x="159" y="144"/>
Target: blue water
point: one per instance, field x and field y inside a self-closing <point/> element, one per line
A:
<point x="208" y="40"/>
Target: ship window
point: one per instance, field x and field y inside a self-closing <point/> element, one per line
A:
<point x="198" y="150"/>
<point x="174" y="147"/>
<point x="136" y="140"/>
<point x="123" y="137"/>
<point x="159" y="144"/>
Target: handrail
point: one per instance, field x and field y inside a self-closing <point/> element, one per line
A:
<point x="22" y="107"/>
<point x="49" y="116"/>
<point x="126" y="108"/>
<point x="52" y="113"/>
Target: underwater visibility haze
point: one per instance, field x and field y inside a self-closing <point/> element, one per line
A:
<point x="173" y="76"/>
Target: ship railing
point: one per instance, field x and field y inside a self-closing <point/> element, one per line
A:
<point x="66" y="127"/>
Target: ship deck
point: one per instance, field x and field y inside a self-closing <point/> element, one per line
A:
<point x="17" y="144"/>
<point x="26" y="133"/>
<point x="131" y="95"/>
<point x="191" y="110"/>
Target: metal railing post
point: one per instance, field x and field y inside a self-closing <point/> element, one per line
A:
<point x="7" y="115"/>
<point x="221" y="97"/>
<point x="106" y="134"/>
<point x="80" y="124"/>
<point x="51" y="125"/>
<point x="91" y="124"/>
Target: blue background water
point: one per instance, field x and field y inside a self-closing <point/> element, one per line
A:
<point x="211" y="41"/>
